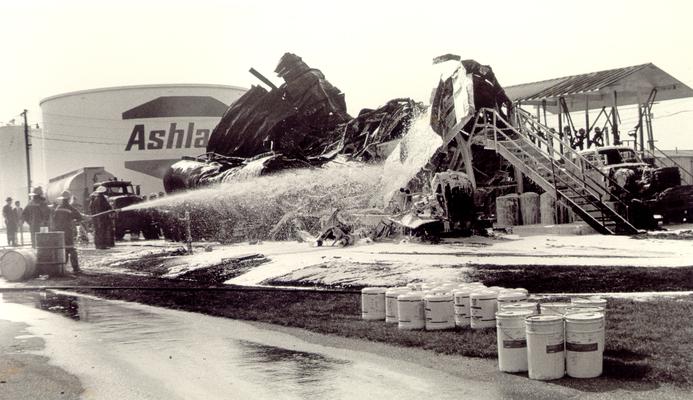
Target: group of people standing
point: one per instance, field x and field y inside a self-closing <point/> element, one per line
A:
<point x="62" y="218"/>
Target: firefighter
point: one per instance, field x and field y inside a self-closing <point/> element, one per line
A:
<point x="36" y="213"/>
<point x="104" y="237"/>
<point x="63" y="220"/>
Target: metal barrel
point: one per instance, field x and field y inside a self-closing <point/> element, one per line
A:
<point x="50" y="253"/>
<point x="18" y="265"/>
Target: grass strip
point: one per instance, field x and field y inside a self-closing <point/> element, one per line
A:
<point x="583" y="279"/>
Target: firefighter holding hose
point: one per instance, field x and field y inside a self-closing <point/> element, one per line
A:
<point x="63" y="220"/>
<point x="104" y="236"/>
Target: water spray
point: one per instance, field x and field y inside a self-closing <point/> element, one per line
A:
<point x="188" y="234"/>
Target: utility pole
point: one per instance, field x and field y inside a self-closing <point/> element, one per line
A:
<point x="27" y="147"/>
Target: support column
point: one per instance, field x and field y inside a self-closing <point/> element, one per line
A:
<point x="614" y="116"/>
<point x="519" y="179"/>
<point x="641" y="138"/>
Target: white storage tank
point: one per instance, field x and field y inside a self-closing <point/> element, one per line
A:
<point x="134" y="132"/>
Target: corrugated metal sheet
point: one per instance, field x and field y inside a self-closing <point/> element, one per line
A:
<point x="629" y="85"/>
<point x="569" y="85"/>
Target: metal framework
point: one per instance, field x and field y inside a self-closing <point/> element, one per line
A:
<point x="604" y="91"/>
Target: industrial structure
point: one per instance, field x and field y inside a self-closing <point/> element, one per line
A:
<point x="134" y="132"/>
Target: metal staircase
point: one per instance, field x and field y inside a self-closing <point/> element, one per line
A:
<point x="537" y="151"/>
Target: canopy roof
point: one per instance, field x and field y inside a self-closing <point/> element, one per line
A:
<point x="632" y="85"/>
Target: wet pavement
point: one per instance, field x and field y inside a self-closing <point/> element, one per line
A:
<point x="128" y="351"/>
<point x="122" y="350"/>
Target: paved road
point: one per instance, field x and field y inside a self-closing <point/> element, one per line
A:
<point x="89" y="348"/>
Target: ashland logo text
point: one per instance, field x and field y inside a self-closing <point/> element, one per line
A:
<point x="172" y="139"/>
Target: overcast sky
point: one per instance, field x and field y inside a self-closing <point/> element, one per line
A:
<point x="372" y="50"/>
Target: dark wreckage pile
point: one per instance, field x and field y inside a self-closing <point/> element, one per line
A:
<point x="304" y="125"/>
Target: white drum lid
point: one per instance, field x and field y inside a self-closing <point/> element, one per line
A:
<point x="584" y="317"/>
<point x="483" y="295"/>
<point x="439" y="297"/>
<point x="373" y="290"/>
<point x="545" y="319"/>
<point x="511" y="296"/>
<point x="513" y="314"/>
<point x="410" y="297"/>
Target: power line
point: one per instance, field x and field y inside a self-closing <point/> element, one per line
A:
<point x="82" y="117"/>
<point x="76" y="141"/>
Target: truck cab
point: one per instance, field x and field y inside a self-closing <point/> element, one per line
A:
<point x="121" y="194"/>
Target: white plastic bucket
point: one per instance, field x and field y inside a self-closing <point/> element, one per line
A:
<point x="496" y="289"/>
<point x="410" y="311"/>
<point x="523" y="290"/>
<point x="391" y="303"/>
<point x="483" y="309"/>
<point x="584" y="344"/>
<point x="462" y="306"/>
<point x="440" y="311"/>
<point x="521" y="305"/>
<point x="373" y="303"/>
<point x="545" y="347"/>
<point x="511" y="337"/>
<point x="554" y="308"/>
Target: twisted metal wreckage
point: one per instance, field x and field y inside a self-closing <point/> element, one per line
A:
<point x="303" y="124"/>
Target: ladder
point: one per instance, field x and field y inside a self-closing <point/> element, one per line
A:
<point x="538" y="152"/>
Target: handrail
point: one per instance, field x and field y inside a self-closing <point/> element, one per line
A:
<point x="543" y="128"/>
<point x="596" y="185"/>
<point x="591" y="198"/>
<point x="569" y="174"/>
<point x="605" y="211"/>
<point x="668" y="158"/>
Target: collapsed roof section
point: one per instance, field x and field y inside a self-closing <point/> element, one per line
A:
<point x="300" y="124"/>
<point x="287" y="119"/>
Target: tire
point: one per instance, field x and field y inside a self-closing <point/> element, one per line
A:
<point x="150" y="233"/>
<point x="119" y="235"/>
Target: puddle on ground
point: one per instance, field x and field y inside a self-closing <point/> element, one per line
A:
<point x="133" y="329"/>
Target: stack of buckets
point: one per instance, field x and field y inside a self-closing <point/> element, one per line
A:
<point x="564" y="338"/>
<point x="439" y="306"/>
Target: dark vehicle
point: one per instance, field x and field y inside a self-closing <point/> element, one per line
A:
<point x="659" y="189"/>
<point x="122" y="194"/>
